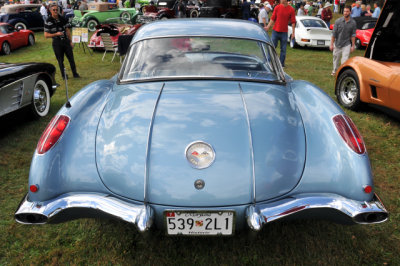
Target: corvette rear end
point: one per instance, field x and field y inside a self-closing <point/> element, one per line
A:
<point x="195" y="138"/>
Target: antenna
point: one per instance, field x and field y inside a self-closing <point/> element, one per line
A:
<point x="67" y="104"/>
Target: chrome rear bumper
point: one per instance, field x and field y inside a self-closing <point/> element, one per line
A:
<point x="318" y="206"/>
<point x="68" y="207"/>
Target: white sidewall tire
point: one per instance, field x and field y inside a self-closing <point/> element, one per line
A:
<point x="40" y="99"/>
<point x="20" y="25"/>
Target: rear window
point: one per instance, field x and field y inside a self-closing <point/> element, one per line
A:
<point x="201" y="57"/>
<point x="313" y="23"/>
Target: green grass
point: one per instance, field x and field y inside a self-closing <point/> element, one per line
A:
<point x="91" y="241"/>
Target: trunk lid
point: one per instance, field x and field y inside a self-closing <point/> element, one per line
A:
<point x="214" y="112"/>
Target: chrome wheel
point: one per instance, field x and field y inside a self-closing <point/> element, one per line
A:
<point x="41" y="99"/>
<point x="125" y="16"/>
<point x="91" y="25"/>
<point x="5" y="48"/>
<point x="358" y="44"/>
<point x="348" y="90"/>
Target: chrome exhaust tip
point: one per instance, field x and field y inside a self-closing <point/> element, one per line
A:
<point x="29" y="218"/>
<point x="371" y="218"/>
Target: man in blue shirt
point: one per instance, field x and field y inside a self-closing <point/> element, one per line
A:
<point x="377" y="10"/>
<point x="356" y="10"/>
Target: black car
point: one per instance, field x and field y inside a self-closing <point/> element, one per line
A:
<point x="26" y="84"/>
<point x="22" y="16"/>
<point x="220" y="9"/>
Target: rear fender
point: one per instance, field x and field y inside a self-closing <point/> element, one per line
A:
<point x="331" y="166"/>
<point x="69" y="166"/>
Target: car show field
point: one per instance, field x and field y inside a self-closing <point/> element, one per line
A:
<point x="91" y="241"/>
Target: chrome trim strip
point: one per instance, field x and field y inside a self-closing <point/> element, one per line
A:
<point x="253" y="173"/>
<point x="358" y="212"/>
<point x="146" y="166"/>
<point x="140" y="215"/>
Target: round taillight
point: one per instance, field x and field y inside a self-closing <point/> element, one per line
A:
<point x="33" y="188"/>
<point x="367" y="189"/>
<point x="52" y="133"/>
<point x="349" y="133"/>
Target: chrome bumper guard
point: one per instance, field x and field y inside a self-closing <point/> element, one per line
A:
<point x="353" y="211"/>
<point x="72" y="206"/>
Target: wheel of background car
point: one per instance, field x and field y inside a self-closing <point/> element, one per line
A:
<point x="163" y="17"/>
<point x="5" y="48"/>
<point x="20" y="26"/>
<point x="31" y="40"/>
<point x="358" y="43"/>
<point x="125" y="16"/>
<point x="194" y="13"/>
<point x="292" y="43"/>
<point x="91" y="24"/>
<point x="348" y="90"/>
<point x="41" y="99"/>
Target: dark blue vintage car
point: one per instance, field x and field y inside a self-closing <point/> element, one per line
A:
<point x="201" y="133"/>
<point x="22" y="16"/>
<point x="27" y="16"/>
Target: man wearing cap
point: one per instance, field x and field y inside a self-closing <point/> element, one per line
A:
<point x="263" y="15"/>
<point x="283" y="15"/>
<point x="326" y="14"/>
<point x="343" y="39"/>
<point x="57" y="28"/>
<point x="356" y="10"/>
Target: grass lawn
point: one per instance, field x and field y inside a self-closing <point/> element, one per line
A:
<point x="91" y="241"/>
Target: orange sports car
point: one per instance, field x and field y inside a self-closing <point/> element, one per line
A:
<point x="374" y="78"/>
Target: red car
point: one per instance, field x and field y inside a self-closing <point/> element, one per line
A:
<point x="115" y="30"/>
<point x="11" y="38"/>
<point x="365" y="28"/>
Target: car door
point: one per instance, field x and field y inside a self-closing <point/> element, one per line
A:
<point x="34" y="18"/>
<point x="16" y="38"/>
<point x="394" y="93"/>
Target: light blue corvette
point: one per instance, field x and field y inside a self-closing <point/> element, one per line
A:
<point x="201" y="133"/>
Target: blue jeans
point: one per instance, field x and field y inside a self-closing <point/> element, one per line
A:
<point x="282" y="37"/>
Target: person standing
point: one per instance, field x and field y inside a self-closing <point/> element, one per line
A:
<point x="342" y="4"/>
<point x="245" y="10"/>
<point x="57" y="28"/>
<point x="326" y="14"/>
<point x="336" y="7"/>
<point x="282" y="15"/>
<point x="263" y="15"/>
<point x="343" y="39"/>
<point x="377" y="10"/>
<point x="43" y="11"/>
<point x="83" y="6"/>
<point x="356" y="10"/>
<point x="300" y="11"/>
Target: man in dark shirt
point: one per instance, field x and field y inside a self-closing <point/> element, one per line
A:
<point x="343" y="39"/>
<point x="56" y="27"/>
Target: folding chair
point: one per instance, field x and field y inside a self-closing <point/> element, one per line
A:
<point x="108" y="45"/>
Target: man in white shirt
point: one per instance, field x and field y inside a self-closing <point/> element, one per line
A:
<point x="263" y="15"/>
<point x="43" y="11"/>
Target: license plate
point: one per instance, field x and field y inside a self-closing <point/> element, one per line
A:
<point x="199" y="222"/>
<point x="321" y="42"/>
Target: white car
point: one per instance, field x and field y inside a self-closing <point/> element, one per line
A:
<point x="310" y="32"/>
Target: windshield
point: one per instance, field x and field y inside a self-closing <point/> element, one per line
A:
<point x="203" y="57"/>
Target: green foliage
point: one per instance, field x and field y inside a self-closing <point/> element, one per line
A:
<point x="111" y="242"/>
